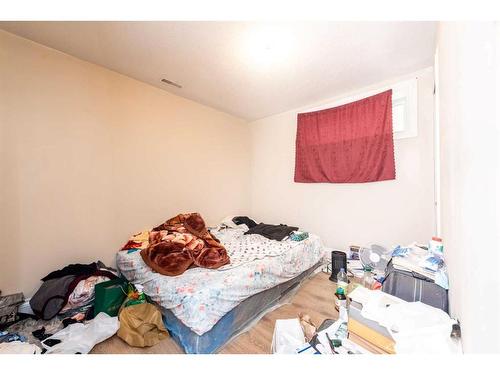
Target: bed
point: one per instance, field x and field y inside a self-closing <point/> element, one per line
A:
<point x="204" y="308"/>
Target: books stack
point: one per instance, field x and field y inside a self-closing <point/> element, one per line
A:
<point x="412" y="260"/>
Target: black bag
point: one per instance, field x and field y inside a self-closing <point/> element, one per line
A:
<point x="51" y="297"/>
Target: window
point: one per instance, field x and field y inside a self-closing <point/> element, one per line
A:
<point x="404" y="109"/>
<point x="399" y="115"/>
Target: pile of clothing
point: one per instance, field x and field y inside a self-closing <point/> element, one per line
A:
<point x="76" y="337"/>
<point x="277" y="232"/>
<point x="63" y="316"/>
<point x="9" y="337"/>
<point x="69" y="290"/>
<point x="185" y="242"/>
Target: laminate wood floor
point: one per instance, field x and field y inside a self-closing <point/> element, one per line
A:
<point x="315" y="297"/>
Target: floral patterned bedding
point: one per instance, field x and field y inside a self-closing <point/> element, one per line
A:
<point x="200" y="297"/>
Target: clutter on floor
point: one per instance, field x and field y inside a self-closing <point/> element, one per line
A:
<point x="109" y="296"/>
<point x="80" y="338"/>
<point x="9" y="337"/>
<point x="308" y="327"/>
<point x="288" y="336"/>
<point x="77" y="307"/>
<point x="398" y="326"/>
<point x="35" y="330"/>
<point x="397" y="301"/>
<point x="141" y="322"/>
<point x="411" y="287"/>
<point x="9" y="306"/>
<point x="413" y="273"/>
<point x="69" y="290"/>
<point x="300" y="336"/>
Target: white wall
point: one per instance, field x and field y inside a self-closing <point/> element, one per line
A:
<point x="469" y="132"/>
<point x="89" y="157"/>
<point x="388" y="212"/>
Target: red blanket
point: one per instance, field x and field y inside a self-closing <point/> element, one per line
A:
<point x="183" y="242"/>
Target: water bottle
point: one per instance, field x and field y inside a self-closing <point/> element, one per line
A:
<point x="367" y="277"/>
<point x="342" y="280"/>
<point x="340" y="300"/>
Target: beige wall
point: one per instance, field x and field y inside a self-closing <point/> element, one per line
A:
<point x="468" y="63"/>
<point x="89" y="157"/>
<point x="388" y="212"/>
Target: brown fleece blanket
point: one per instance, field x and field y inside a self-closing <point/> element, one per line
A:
<point x="183" y="242"/>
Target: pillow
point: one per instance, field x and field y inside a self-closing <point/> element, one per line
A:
<point x="228" y="222"/>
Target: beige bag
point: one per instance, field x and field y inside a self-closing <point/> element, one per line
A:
<point x="141" y="325"/>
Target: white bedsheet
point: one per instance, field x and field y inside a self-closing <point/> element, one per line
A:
<point x="200" y="297"/>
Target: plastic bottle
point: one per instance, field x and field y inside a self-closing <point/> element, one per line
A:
<point x="140" y="293"/>
<point x="342" y="281"/>
<point x="367" y="277"/>
<point x="341" y="300"/>
<point x="436" y="246"/>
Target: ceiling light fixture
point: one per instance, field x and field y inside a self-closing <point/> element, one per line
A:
<point x="171" y="83"/>
<point x="267" y="45"/>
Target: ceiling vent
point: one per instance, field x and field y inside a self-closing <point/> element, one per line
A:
<point x="171" y="83"/>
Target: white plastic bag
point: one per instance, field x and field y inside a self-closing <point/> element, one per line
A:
<point x="81" y="338"/>
<point x="287" y="336"/>
<point x="418" y="328"/>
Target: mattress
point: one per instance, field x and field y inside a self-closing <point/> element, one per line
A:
<point x="200" y="297"/>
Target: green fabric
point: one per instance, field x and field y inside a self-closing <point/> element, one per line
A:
<point x="109" y="296"/>
<point x="131" y="300"/>
<point x="299" y="236"/>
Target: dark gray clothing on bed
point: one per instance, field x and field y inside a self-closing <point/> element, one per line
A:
<point x="273" y="232"/>
<point x="244" y="220"/>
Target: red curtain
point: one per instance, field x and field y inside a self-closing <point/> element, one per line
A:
<point x="349" y="143"/>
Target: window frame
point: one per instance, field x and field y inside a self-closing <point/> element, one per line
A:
<point x="407" y="91"/>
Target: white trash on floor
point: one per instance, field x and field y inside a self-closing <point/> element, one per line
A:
<point x="287" y="336"/>
<point x="415" y="327"/>
<point x="81" y="338"/>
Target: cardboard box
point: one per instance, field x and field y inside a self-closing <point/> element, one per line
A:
<point x="369" y="330"/>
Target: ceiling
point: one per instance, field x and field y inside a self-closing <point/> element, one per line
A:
<point x="248" y="69"/>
